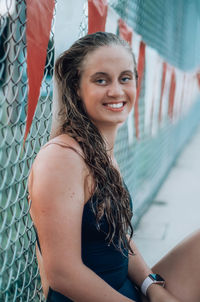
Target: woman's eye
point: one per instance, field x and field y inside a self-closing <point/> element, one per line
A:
<point x="125" y="79"/>
<point x="101" y="81"/>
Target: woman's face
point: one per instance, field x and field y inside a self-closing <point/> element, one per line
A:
<point x="108" y="85"/>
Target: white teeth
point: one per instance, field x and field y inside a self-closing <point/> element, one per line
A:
<point x="118" y="105"/>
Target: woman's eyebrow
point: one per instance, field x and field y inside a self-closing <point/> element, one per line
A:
<point x="100" y="73"/>
<point x="127" y="71"/>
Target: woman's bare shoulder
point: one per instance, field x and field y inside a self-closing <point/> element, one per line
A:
<point x="64" y="140"/>
<point x="61" y="148"/>
<point x="58" y="162"/>
<point x="57" y="193"/>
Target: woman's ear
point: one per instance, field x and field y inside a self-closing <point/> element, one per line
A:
<point x="79" y="94"/>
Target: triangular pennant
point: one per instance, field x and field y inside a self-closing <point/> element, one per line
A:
<point x="140" y="68"/>
<point x="164" y="70"/>
<point x="97" y="14"/>
<point x="38" y="27"/>
<point x="172" y="94"/>
<point x="125" y="31"/>
<point x="198" y="78"/>
<point x="182" y="93"/>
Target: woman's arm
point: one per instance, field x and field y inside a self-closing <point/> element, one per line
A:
<point x="57" y="188"/>
<point x="138" y="271"/>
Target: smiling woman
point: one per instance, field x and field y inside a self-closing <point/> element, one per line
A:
<point x="80" y="204"/>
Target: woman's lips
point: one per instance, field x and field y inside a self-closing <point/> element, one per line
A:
<point x="118" y="106"/>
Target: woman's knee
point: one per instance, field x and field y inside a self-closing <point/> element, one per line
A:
<point x="185" y="254"/>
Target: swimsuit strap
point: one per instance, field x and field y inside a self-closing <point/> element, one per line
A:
<point x="61" y="144"/>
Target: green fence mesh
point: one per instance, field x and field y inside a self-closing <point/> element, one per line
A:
<point x="19" y="277"/>
<point x="173" y="29"/>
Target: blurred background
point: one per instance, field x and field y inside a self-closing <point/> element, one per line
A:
<point x="165" y="37"/>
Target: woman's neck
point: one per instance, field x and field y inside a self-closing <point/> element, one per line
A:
<point x="109" y="135"/>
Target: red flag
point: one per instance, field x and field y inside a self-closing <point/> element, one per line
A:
<point x="162" y="89"/>
<point x="38" y="27"/>
<point x="125" y="31"/>
<point x="172" y="94"/>
<point x="182" y="94"/>
<point x="198" y="78"/>
<point x="153" y="101"/>
<point x="140" y="68"/>
<point x="97" y="14"/>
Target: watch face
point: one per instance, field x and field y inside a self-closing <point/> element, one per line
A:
<point x="156" y="277"/>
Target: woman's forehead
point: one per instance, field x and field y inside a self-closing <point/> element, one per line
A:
<point x="108" y="57"/>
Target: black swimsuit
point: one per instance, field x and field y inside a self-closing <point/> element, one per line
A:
<point x="106" y="261"/>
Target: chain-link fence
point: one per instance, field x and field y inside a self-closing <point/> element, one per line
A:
<point x="19" y="277"/>
<point x="144" y="162"/>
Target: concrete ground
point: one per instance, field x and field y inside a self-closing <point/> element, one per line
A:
<point x="175" y="211"/>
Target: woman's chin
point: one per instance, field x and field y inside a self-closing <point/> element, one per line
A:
<point x="109" y="124"/>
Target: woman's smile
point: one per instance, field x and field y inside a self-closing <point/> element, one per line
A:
<point x="115" y="106"/>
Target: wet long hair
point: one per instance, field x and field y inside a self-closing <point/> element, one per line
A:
<point x="111" y="197"/>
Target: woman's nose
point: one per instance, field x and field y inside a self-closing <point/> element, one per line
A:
<point x="115" y="90"/>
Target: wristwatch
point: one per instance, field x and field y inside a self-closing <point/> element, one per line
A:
<point x="151" y="279"/>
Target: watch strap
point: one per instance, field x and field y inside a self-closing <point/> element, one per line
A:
<point x="145" y="285"/>
<point x="151" y="279"/>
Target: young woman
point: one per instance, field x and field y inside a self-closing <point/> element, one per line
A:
<point x="80" y="205"/>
